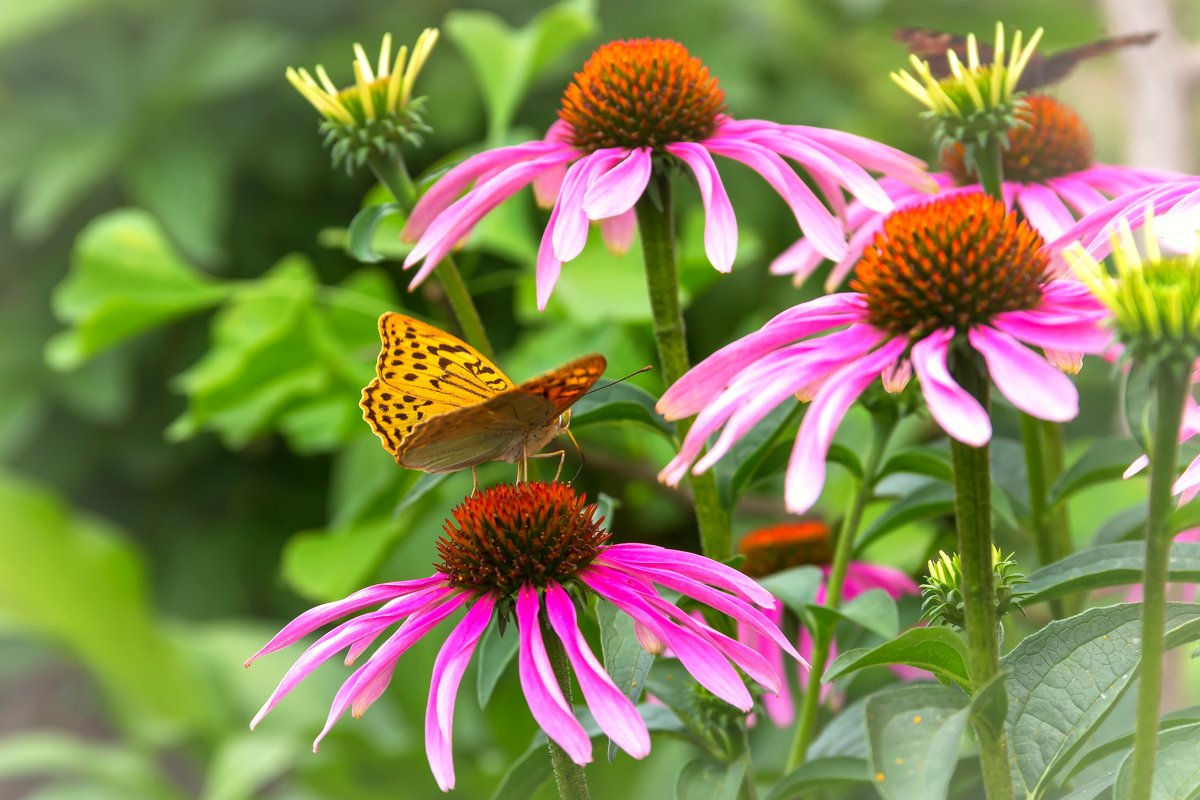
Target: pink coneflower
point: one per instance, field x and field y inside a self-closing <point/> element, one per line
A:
<point x="1049" y="175"/>
<point x="521" y="550"/>
<point x="636" y="103"/>
<point x="794" y="544"/>
<point x="1173" y="204"/>
<point x="957" y="278"/>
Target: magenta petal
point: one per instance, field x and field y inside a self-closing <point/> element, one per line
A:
<point x="720" y="224"/>
<point x="618" y="190"/>
<point x="618" y="232"/>
<point x="569" y="234"/>
<point x="1068" y="335"/>
<point x="545" y="698"/>
<point x="956" y="411"/>
<point x="694" y="566"/>
<point x="1189" y="480"/>
<point x="876" y="576"/>
<point x="448" y="670"/>
<point x="614" y="712"/>
<point x="806" y="467"/>
<point x="1028" y="381"/>
<point x="1045" y="210"/>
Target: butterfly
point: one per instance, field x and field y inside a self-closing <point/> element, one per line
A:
<point x="439" y="405"/>
<point x="927" y="44"/>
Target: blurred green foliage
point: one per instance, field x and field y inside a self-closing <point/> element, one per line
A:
<point x="183" y="338"/>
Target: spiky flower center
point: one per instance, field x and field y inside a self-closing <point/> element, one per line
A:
<point x="789" y="544"/>
<point x="509" y="536"/>
<point x="954" y="262"/>
<point x="1051" y="140"/>
<point x="641" y="93"/>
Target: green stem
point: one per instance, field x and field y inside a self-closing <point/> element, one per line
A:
<point x="973" y="515"/>
<point x="1045" y="523"/>
<point x="810" y="705"/>
<point x="989" y="165"/>
<point x="1172" y="384"/>
<point x="568" y="776"/>
<point x="656" y="227"/>
<point x="394" y="175"/>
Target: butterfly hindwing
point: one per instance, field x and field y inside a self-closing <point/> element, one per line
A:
<point x="422" y="373"/>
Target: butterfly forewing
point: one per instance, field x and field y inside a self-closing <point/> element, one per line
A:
<point x="422" y="373"/>
<point x="568" y="383"/>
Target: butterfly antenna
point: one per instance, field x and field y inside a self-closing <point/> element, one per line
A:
<point x="579" y="450"/>
<point x="646" y="368"/>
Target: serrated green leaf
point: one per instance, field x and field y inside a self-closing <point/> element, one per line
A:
<point x="940" y="650"/>
<point x="1176" y="766"/>
<point x="620" y="404"/>
<point x="819" y="774"/>
<point x="1066" y="678"/>
<point x="1108" y="565"/>
<point x="914" y="734"/>
<point x="706" y="779"/>
<point x="1106" y="460"/>
<point x="125" y="279"/>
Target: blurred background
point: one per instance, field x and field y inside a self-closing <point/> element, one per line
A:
<point x="183" y="338"/>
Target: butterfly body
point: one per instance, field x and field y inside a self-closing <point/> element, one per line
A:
<point x="438" y="405"/>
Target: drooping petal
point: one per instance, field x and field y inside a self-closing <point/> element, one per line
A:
<point x="780" y="706"/>
<point x="549" y="266"/>
<point x="955" y="410"/>
<point x="1059" y="333"/>
<point x="448" y="670"/>
<point x="613" y="711"/>
<point x="545" y="698"/>
<point x="571" y="229"/>
<point x="618" y="189"/>
<point x="720" y="224"/>
<point x="618" y="232"/>
<point x="1045" y="210"/>
<point x="693" y="566"/>
<point x="1028" y="381"/>
<point x="806" y="467"/>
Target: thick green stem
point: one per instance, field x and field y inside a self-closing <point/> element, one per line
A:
<point x="1046" y="523"/>
<point x="989" y="165"/>
<point x="394" y="175"/>
<point x="656" y="226"/>
<point x="1171" y="387"/>
<point x="568" y="776"/>
<point x="810" y="705"/>
<point x="973" y="515"/>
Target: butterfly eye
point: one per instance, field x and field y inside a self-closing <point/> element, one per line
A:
<point x="564" y="419"/>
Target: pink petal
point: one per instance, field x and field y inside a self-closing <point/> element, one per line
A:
<point x="806" y="467"/>
<point x="613" y="711"/>
<point x="1189" y="480"/>
<point x="448" y="671"/>
<point x="542" y="692"/>
<point x="1028" y="381"/>
<point x="618" y="189"/>
<point x="1045" y="210"/>
<point x="780" y="706"/>
<point x="1061" y="334"/>
<point x="876" y="576"/>
<point x="571" y="229"/>
<point x="618" y="232"/>
<point x="720" y="224"/>
<point x="631" y="554"/>
<point x="956" y="411"/>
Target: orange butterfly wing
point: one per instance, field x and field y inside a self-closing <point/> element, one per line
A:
<point x="509" y="426"/>
<point x="423" y="373"/>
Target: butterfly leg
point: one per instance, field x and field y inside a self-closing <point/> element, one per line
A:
<point x="562" y="460"/>
<point x="474" y="480"/>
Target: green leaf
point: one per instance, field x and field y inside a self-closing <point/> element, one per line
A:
<point x="360" y="236"/>
<point x="1123" y="525"/>
<point x="327" y="564"/>
<point x="1066" y="678"/>
<point x="989" y="707"/>
<point x="125" y="279"/>
<point x="245" y="764"/>
<point x="929" y="501"/>
<point x="874" y="610"/>
<point x="620" y="403"/>
<point x="1176" y="766"/>
<point x="1108" y="565"/>
<point x="495" y="654"/>
<point x="845" y="735"/>
<point x="58" y="176"/>
<point x="425" y="484"/>
<point x="1106" y="460"/>
<point x="366" y="481"/>
<point x="705" y="779"/>
<point x="1186" y="716"/>
<point x="624" y="657"/>
<point x="1138" y="402"/>
<point x="507" y="60"/>
<point x="1093" y="790"/>
<point x="914" y="733"/>
<point x="747" y="460"/>
<point x="44" y="754"/>
<point x="940" y="650"/>
<point x="77" y="582"/>
<point x="840" y="454"/>
<point x="815" y="775"/>
<point x="796" y="587"/>
<point x="932" y="461"/>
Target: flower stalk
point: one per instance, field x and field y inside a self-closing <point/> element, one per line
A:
<point x="393" y="174"/>
<point x="973" y="517"/>
<point x="1172" y="382"/>
<point x="655" y="217"/>
<point x="569" y="777"/>
<point x="884" y="420"/>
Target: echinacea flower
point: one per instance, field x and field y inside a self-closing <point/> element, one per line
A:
<point x="378" y="113"/>
<point x="955" y="281"/>
<point x="793" y="544"/>
<point x="528" y="551"/>
<point x="637" y="104"/>
<point x="1049" y="175"/>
